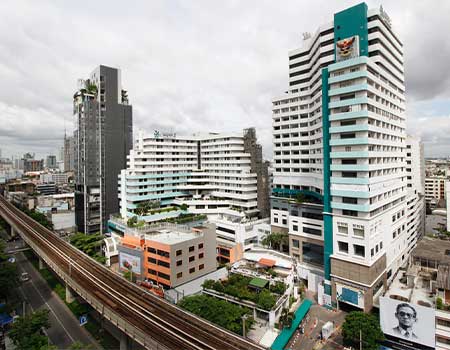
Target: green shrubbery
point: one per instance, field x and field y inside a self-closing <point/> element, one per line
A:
<point x="238" y="286"/>
<point x="218" y="311"/>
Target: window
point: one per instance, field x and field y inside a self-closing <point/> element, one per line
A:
<point x="200" y="246"/>
<point x="349" y="200"/>
<point x="201" y="255"/>
<point x="191" y="248"/>
<point x="191" y="258"/>
<point x="295" y="243"/>
<point x="295" y="228"/>
<point x="163" y="253"/>
<point x="163" y="263"/>
<point x="179" y="252"/>
<point x="275" y="220"/>
<point x="349" y="161"/>
<point x="152" y="272"/>
<point x="179" y="262"/>
<point x="192" y="270"/>
<point x="164" y="275"/>
<point x="201" y="267"/>
<point x="151" y="260"/>
<point x="349" y="212"/>
<point x="151" y="250"/>
<point x="284" y="221"/>
<point x="371" y="252"/>
<point x="349" y="174"/>
<point x="312" y="231"/>
<point x="343" y="247"/>
<point x="179" y="274"/>
<point x="351" y="135"/>
<point x="359" y="250"/>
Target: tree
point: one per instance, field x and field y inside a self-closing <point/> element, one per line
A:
<point x="357" y="323"/>
<point x="218" y="311"/>
<point x="184" y="207"/>
<point x="300" y="198"/>
<point x="89" y="244"/>
<point x="26" y="331"/>
<point x="9" y="275"/>
<point x="275" y="240"/>
<point x="266" y="300"/>
<point x="132" y="221"/>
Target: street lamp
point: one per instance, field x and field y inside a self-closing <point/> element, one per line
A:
<point x="244" y="317"/>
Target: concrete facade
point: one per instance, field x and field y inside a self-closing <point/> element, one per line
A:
<point x="103" y="139"/>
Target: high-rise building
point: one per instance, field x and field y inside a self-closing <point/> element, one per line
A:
<point x="340" y="185"/>
<point x="210" y="174"/>
<point x="103" y="138"/>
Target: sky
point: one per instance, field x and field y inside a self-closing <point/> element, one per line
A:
<point x="194" y="66"/>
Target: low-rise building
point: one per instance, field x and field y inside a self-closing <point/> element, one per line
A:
<point x="167" y="254"/>
<point x="435" y="191"/>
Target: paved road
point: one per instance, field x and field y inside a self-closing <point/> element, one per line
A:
<point x="318" y="316"/>
<point x="64" y="329"/>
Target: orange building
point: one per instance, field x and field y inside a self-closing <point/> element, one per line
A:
<point x="169" y="256"/>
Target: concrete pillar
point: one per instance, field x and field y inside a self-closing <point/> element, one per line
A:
<point x="271" y="319"/>
<point x="13" y="232"/>
<point x="125" y="342"/>
<point x="254" y="313"/>
<point x="41" y="263"/>
<point x="70" y="294"/>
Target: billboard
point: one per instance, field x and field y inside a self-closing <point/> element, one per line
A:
<point x="407" y="326"/>
<point x="130" y="262"/>
<point x="347" y="48"/>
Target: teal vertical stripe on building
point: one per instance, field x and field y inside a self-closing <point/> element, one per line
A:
<point x="353" y="21"/>
<point x="327" y="218"/>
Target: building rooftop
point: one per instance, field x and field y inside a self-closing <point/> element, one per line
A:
<point x="433" y="249"/>
<point x="170" y="236"/>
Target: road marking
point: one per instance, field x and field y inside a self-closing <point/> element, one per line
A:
<point x="50" y="308"/>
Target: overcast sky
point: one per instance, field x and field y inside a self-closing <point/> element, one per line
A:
<point x="193" y="66"/>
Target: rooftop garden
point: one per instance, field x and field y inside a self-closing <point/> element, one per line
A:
<point x="218" y="311"/>
<point x="262" y="294"/>
<point x="185" y="218"/>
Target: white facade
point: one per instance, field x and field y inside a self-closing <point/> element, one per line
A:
<point x="211" y="174"/>
<point x="435" y="189"/>
<point x="365" y="187"/>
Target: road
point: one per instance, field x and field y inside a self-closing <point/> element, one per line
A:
<point x="64" y="329"/>
<point x="318" y="316"/>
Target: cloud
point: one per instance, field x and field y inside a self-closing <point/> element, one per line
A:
<point x="188" y="66"/>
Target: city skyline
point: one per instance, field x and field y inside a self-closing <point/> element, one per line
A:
<point x="237" y="68"/>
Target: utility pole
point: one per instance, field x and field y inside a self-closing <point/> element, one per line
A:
<point x="360" y="339"/>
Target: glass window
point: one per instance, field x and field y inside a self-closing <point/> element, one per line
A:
<point x="312" y="253"/>
<point x="179" y="252"/>
<point x="192" y="270"/>
<point x="295" y="243"/>
<point x="343" y="247"/>
<point x="359" y="250"/>
<point x="179" y="262"/>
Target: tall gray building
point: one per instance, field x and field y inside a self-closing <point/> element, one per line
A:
<point x="69" y="153"/>
<point x="103" y="139"/>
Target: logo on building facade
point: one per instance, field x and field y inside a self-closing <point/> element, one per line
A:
<point x="159" y="135"/>
<point x="347" y="48"/>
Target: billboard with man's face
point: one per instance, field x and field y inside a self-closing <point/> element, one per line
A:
<point x="407" y="326"/>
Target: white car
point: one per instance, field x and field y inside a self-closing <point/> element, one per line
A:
<point x="24" y="277"/>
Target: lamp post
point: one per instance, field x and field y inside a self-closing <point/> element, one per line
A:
<point x="244" y="317"/>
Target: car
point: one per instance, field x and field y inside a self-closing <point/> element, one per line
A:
<point x="12" y="259"/>
<point x="24" y="277"/>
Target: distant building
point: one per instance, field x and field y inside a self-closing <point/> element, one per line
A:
<point x="33" y="165"/>
<point x="46" y="188"/>
<point x="435" y="191"/>
<point x="69" y="153"/>
<point x="103" y="138"/>
<point x="168" y="255"/>
<point x="50" y="162"/>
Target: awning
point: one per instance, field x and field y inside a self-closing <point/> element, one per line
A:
<point x="286" y="334"/>
<point x="5" y="319"/>
<point x="266" y="262"/>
